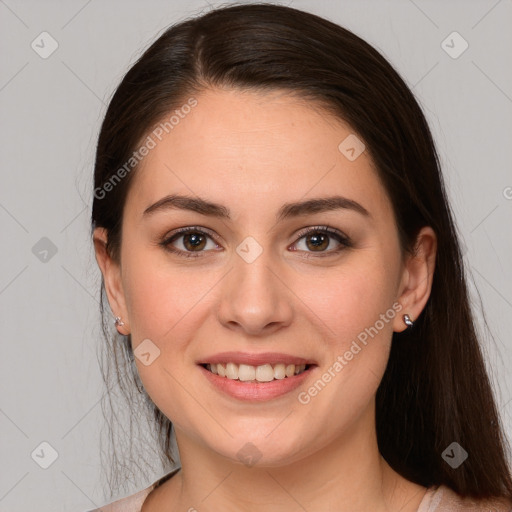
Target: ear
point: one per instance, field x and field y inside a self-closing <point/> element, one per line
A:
<point x="112" y="278"/>
<point x="417" y="277"/>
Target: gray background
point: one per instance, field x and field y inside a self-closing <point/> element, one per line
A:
<point x="50" y="114"/>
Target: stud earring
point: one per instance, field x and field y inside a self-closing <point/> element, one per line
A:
<point x="118" y="321"/>
<point x="408" y="321"/>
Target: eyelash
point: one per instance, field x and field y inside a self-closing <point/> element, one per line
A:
<point x="342" y="239"/>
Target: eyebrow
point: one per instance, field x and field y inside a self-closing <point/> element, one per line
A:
<point x="288" y="210"/>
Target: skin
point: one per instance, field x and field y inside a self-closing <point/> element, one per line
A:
<point x="252" y="152"/>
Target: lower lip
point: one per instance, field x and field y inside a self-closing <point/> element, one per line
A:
<point x="257" y="391"/>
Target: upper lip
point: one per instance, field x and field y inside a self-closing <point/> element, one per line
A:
<point x="255" y="359"/>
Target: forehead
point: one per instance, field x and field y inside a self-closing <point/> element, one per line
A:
<point x="255" y="151"/>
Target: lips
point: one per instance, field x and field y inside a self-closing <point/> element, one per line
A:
<point x="255" y="390"/>
<point x="253" y="359"/>
<point x="256" y="377"/>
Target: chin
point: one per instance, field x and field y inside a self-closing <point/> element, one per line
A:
<point x="274" y="450"/>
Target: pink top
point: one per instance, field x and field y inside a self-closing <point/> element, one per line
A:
<point x="436" y="499"/>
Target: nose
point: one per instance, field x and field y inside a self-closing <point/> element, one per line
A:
<point x="255" y="299"/>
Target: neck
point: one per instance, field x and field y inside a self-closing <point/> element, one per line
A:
<point x="347" y="471"/>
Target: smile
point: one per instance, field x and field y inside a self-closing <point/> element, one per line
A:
<point x="261" y="373"/>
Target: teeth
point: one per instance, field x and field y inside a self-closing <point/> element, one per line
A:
<point x="245" y="372"/>
<point x="279" y="371"/>
<point x="262" y="373"/>
<point x="232" y="371"/>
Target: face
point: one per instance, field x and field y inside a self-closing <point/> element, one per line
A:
<point x="318" y="283"/>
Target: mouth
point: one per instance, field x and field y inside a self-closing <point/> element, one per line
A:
<point x="253" y="378"/>
<point x="254" y="374"/>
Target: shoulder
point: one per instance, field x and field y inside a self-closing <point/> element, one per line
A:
<point x="443" y="499"/>
<point x="134" y="502"/>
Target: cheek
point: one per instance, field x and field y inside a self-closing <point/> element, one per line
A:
<point x="158" y="296"/>
<point x="353" y="298"/>
<point x="160" y="304"/>
<point x="357" y="307"/>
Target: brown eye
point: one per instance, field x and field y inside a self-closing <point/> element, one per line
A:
<point x="189" y="242"/>
<point x="322" y="240"/>
<point x="318" y="241"/>
<point x="194" y="241"/>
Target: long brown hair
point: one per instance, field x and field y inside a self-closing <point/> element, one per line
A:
<point x="435" y="389"/>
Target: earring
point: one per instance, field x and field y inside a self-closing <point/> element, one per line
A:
<point x="118" y="321"/>
<point x="408" y="321"/>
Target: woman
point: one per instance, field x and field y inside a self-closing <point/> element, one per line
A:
<point x="283" y="267"/>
